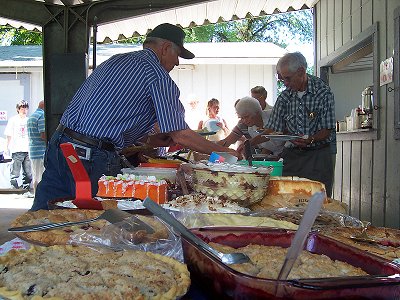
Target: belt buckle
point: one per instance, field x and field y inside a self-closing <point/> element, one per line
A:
<point x="82" y="151"/>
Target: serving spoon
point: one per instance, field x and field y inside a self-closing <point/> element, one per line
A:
<point x="226" y="258"/>
<point x="363" y="236"/>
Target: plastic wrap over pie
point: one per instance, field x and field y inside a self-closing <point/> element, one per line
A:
<point x="97" y="229"/>
<point x="242" y="184"/>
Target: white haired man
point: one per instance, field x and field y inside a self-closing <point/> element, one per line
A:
<point x="305" y="108"/>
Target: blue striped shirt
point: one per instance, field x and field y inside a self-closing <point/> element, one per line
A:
<point x="123" y="98"/>
<point x="36" y="126"/>
<point x="318" y="111"/>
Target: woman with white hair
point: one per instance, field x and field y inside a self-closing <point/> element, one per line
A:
<point x="252" y="121"/>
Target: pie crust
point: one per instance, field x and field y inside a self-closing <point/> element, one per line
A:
<point x="67" y="272"/>
<point x="387" y="243"/>
<point x="63" y="235"/>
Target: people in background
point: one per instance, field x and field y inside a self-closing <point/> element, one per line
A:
<point x="306" y="108"/>
<point x="260" y="93"/>
<point x="118" y="105"/>
<point x="214" y="122"/>
<point x="193" y="114"/>
<point x="252" y="121"/>
<point x="18" y="145"/>
<point x="37" y="143"/>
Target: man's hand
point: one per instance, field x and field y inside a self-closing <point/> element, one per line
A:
<point x="301" y="142"/>
<point x="259" y="139"/>
<point x="235" y="153"/>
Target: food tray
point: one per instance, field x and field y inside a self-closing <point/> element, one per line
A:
<point x="230" y="182"/>
<point x="295" y="214"/>
<point x="223" y="282"/>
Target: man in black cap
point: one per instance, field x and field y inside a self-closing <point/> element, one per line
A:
<point x="116" y="107"/>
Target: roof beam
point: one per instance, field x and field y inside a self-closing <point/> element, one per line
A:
<point x="116" y="10"/>
<point x="33" y="12"/>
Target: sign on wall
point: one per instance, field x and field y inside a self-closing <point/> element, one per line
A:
<point x="3" y="115"/>
<point x="386" y="71"/>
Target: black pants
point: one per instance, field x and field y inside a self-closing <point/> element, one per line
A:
<point x="312" y="164"/>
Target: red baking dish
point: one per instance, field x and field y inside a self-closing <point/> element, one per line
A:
<point x="222" y="282"/>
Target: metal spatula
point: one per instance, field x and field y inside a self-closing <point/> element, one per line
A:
<point x="226" y="258"/>
<point x="113" y="216"/>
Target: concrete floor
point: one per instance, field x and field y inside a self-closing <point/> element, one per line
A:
<point x="11" y="206"/>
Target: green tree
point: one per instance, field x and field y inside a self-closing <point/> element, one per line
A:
<point x="13" y="36"/>
<point x="278" y="29"/>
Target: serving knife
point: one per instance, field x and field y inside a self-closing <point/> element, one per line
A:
<point x="310" y="214"/>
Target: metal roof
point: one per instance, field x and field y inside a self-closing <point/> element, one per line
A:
<point x="187" y="16"/>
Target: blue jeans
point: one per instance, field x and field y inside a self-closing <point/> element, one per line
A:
<point x="21" y="159"/>
<point x="57" y="180"/>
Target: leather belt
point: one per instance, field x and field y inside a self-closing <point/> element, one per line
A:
<point x="318" y="147"/>
<point x="83" y="139"/>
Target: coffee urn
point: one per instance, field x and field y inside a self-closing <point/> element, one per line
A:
<point x="367" y="107"/>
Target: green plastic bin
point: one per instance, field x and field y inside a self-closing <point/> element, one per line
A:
<point x="278" y="165"/>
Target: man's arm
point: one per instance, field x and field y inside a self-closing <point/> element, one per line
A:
<point x="233" y="137"/>
<point x="8" y="144"/>
<point x="190" y="139"/>
<point x="259" y="139"/>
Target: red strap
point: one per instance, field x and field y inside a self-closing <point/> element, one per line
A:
<point x="83" y="188"/>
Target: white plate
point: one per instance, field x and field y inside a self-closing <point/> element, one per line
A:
<point x="211" y="125"/>
<point x="282" y="137"/>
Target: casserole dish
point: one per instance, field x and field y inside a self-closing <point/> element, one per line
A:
<point x="222" y="282"/>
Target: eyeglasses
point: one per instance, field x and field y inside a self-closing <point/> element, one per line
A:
<point x="286" y="78"/>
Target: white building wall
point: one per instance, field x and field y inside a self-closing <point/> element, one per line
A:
<point x="37" y="93"/>
<point x="227" y="83"/>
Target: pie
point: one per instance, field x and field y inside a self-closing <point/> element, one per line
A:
<point x="267" y="261"/>
<point x="386" y="241"/>
<point x="68" y="272"/>
<point x="62" y="236"/>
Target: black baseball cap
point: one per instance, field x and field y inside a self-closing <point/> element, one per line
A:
<point x="174" y="34"/>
